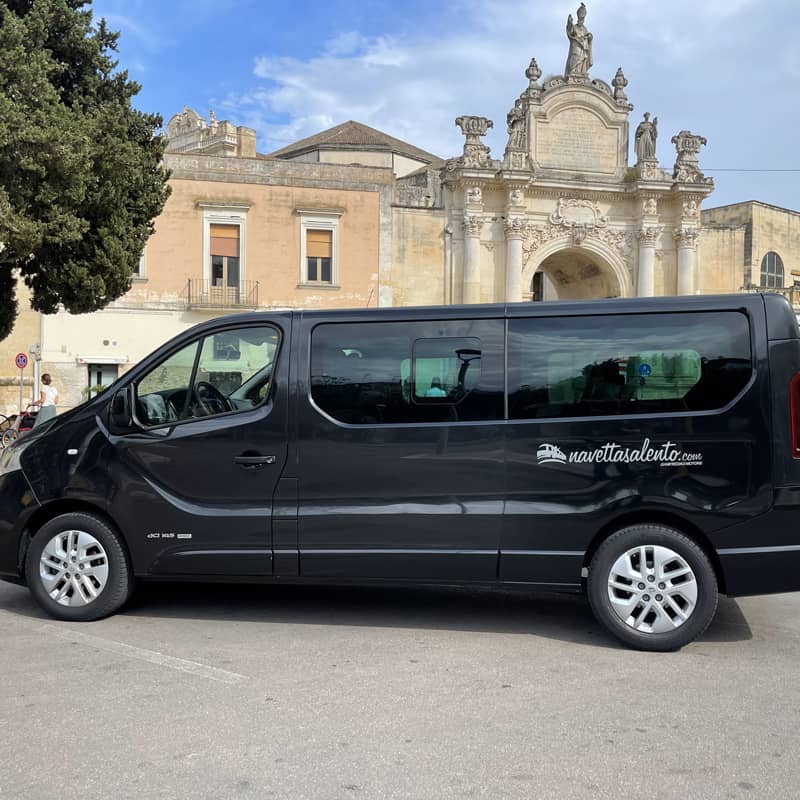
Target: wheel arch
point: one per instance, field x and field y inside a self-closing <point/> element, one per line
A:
<point x="56" y="508"/>
<point x="659" y="518"/>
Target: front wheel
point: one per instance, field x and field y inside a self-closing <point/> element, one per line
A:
<point x="77" y="568"/>
<point x="652" y="587"/>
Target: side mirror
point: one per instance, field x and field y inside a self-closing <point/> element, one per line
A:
<point x="120" y="414"/>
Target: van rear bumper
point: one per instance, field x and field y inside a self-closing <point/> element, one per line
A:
<point x="760" y="570"/>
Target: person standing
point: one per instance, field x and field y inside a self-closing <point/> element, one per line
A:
<point x="48" y="399"/>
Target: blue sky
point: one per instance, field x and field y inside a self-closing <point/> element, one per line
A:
<point x="728" y="70"/>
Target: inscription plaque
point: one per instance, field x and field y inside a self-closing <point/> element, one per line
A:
<point x="575" y="139"/>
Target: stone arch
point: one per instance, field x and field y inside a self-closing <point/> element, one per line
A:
<point x="594" y="251"/>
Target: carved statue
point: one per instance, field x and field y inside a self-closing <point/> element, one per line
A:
<point x="646" y="135"/>
<point x="579" y="58"/>
<point x="516" y="127"/>
<point x="620" y="82"/>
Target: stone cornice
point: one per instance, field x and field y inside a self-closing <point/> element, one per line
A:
<point x="233" y="169"/>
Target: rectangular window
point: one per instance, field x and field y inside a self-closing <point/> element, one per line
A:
<point x="387" y="373"/>
<point x="319" y="245"/>
<point x="624" y="365"/>
<point x="224" y="260"/>
<point x="226" y="347"/>
<point x="319" y="256"/>
<point x="444" y="370"/>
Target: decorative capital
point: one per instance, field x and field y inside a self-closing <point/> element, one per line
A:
<point x="687" y="165"/>
<point x="476" y="154"/>
<point x="686" y="237"/>
<point x="648" y="235"/>
<point x="473" y="225"/>
<point x="515" y="227"/>
<point x="474" y="127"/>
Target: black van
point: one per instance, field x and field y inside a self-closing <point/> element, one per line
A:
<point x="644" y="451"/>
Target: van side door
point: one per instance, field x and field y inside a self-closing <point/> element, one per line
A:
<point x="202" y="459"/>
<point x="401" y="448"/>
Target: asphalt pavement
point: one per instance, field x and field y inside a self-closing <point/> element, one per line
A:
<point x="213" y="691"/>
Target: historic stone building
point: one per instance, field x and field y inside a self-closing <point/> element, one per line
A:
<point x="354" y="217"/>
<point x="563" y="215"/>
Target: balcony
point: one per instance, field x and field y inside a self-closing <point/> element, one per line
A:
<point x="204" y="293"/>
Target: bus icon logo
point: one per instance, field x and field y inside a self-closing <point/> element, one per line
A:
<point x="550" y="454"/>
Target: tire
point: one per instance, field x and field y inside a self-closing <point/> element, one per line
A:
<point x="54" y="568"/>
<point x="666" y="614"/>
<point x="9" y="437"/>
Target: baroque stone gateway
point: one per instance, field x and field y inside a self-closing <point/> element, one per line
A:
<point x="563" y="214"/>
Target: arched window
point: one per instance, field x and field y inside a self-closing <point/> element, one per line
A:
<point x="772" y="271"/>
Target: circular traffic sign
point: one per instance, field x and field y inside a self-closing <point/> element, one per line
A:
<point x="21" y="360"/>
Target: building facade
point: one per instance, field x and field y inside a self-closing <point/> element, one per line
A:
<point x="353" y="217"/>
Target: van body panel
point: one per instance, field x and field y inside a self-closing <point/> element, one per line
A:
<point x="449" y="499"/>
<point x="401" y="500"/>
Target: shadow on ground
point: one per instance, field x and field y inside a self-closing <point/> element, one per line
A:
<point x="563" y="617"/>
<point x="558" y="616"/>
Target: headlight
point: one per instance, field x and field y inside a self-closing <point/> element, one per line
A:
<point x="10" y="458"/>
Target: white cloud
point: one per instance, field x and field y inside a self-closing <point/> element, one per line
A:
<point x="697" y="65"/>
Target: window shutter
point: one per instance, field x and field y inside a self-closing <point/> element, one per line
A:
<point x="225" y="240"/>
<point x="319" y="244"/>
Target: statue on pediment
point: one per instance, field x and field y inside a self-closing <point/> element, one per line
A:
<point x="645" y="138"/>
<point x="579" y="58"/>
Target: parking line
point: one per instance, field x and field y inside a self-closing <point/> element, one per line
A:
<point x="141" y="654"/>
<point x="128" y="650"/>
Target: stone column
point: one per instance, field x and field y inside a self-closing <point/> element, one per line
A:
<point x="472" y="258"/>
<point x="686" y="241"/>
<point x="515" y="230"/>
<point x="647" y="261"/>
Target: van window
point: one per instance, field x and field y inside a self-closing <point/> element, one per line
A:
<point x="631" y="364"/>
<point x="372" y="374"/>
<point x="218" y="374"/>
<point x="444" y="370"/>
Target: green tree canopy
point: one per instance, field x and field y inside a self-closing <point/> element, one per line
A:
<point x="81" y="179"/>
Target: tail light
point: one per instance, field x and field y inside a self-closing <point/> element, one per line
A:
<point x="794" y="413"/>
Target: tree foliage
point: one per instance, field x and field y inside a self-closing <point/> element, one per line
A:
<point x="81" y="179"/>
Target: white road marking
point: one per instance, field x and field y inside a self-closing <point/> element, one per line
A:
<point x="130" y="651"/>
<point x="141" y="654"/>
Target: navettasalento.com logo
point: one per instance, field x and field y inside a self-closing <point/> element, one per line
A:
<point x="667" y="454"/>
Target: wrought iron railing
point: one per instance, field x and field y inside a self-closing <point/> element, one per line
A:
<point x="203" y="293"/>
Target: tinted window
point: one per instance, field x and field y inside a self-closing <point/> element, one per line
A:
<point x="217" y="374"/>
<point x="368" y="374"/>
<point x="632" y="364"/>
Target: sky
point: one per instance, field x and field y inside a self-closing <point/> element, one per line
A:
<point x="729" y="71"/>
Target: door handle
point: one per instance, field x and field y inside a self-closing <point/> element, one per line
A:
<point x="254" y="462"/>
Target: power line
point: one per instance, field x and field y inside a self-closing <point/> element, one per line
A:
<point x="723" y="169"/>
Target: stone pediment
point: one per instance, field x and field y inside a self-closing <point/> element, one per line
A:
<point x="578" y="130"/>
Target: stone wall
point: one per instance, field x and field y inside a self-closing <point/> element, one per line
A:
<point x="420" y="274"/>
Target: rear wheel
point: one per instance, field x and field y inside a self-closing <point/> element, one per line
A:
<point x="652" y="587"/>
<point x="77" y="568"/>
